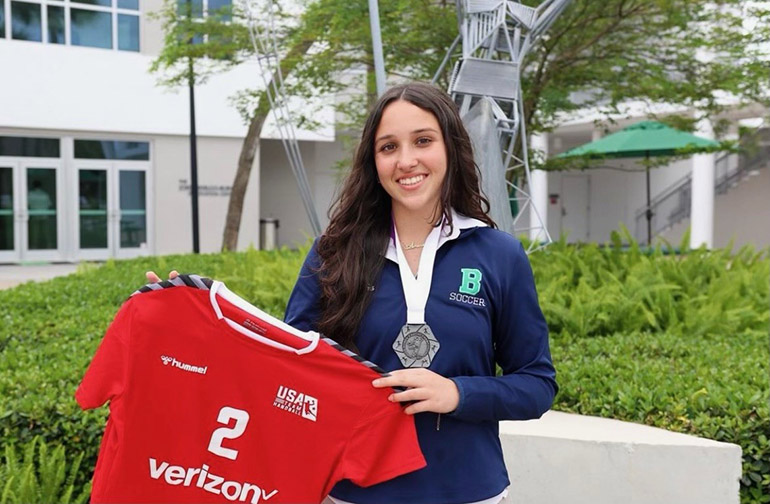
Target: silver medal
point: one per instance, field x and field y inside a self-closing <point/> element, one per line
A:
<point x="416" y="346"/>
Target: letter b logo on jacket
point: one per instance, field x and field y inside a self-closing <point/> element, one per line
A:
<point x="471" y="283"/>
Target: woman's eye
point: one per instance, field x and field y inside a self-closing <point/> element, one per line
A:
<point x="424" y="141"/>
<point x="387" y="147"/>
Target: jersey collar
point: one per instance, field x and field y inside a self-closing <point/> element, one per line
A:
<point x="459" y="222"/>
<point x="219" y="289"/>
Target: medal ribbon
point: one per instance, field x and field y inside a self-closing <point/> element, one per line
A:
<point x="416" y="290"/>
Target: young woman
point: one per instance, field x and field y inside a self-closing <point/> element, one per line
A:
<point x="412" y="275"/>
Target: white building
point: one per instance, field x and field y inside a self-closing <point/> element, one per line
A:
<point x="95" y="156"/>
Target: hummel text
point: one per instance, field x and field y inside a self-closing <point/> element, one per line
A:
<point x="181" y="365"/>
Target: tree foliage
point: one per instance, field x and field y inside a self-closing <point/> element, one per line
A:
<point x="686" y="53"/>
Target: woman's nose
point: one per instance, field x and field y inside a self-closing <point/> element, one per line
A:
<point x="407" y="159"/>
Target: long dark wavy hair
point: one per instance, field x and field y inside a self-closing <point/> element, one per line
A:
<point x="352" y="250"/>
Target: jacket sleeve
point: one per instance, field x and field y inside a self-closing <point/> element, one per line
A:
<point x="527" y="386"/>
<point x="303" y="308"/>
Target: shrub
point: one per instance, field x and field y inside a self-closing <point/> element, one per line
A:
<point x="41" y="475"/>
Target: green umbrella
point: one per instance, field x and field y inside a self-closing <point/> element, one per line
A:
<point x="644" y="139"/>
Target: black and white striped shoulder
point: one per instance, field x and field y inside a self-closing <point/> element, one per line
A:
<point x="194" y="281"/>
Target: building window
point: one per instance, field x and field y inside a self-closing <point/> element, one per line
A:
<point x="90" y="28"/>
<point x="200" y="9"/>
<point x="128" y="32"/>
<point x="29" y="147"/>
<point x="204" y="8"/>
<point x="56" y="24"/>
<point x="221" y="7"/>
<point x="110" y="149"/>
<point x="106" y="24"/>
<point x="26" y="22"/>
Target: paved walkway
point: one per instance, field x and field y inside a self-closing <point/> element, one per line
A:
<point x="12" y="275"/>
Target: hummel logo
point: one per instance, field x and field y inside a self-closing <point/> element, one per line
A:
<point x="296" y="402"/>
<point x="181" y="365"/>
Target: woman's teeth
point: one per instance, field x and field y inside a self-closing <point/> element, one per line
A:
<point x="411" y="180"/>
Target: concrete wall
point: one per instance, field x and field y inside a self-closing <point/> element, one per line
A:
<point x="741" y="215"/>
<point x="85" y="89"/>
<point x="217" y="163"/>
<point x="280" y="197"/>
<point x="590" y="204"/>
<point x="150" y="30"/>
<point x="577" y="459"/>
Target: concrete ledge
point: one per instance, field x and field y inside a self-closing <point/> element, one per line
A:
<point x="12" y="275"/>
<point x="567" y="458"/>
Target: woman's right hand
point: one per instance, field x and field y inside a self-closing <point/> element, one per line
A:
<point x="153" y="278"/>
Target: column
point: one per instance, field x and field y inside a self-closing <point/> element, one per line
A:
<point x="538" y="213"/>
<point x="702" y="202"/>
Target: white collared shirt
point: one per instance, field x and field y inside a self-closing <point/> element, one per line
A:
<point x="459" y="222"/>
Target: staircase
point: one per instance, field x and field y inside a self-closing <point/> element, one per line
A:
<point x="673" y="205"/>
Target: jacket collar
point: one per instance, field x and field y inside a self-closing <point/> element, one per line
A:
<point x="459" y="222"/>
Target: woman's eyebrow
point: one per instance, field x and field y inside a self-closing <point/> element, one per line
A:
<point x="415" y="132"/>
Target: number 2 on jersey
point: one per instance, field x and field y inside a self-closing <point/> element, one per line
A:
<point x="225" y="415"/>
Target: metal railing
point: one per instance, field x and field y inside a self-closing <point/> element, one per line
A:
<point x="673" y="204"/>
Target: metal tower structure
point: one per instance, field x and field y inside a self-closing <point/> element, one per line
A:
<point x="264" y="41"/>
<point x="496" y="36"/>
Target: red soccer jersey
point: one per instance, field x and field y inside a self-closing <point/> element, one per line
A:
<point x="211" y="400"/>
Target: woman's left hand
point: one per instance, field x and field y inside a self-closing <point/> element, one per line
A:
<point x="428" y="390"/>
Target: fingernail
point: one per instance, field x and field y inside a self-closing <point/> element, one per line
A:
<point x="376" y="382"/>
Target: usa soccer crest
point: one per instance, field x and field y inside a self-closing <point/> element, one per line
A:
<point x="416" y="346"/>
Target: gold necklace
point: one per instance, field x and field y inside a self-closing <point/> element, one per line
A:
<point x="413" y="245"/>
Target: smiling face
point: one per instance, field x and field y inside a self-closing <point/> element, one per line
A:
<point x="410" y="157"/>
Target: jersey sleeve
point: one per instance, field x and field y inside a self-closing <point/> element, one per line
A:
<point x="382" y="446"/>
<point x="303" y="308"/>
<point x="527" y="386"/>
<point x="105" y="377"/>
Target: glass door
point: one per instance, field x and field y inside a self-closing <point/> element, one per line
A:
<point x="10" y="251"/>
<point x="132" y="222"/>
<point x="93" y="231"/>
<point x="41" y="215"/>
<point x="112" y="213"/>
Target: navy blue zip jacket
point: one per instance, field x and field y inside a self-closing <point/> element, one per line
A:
<point x="479" y="319"/>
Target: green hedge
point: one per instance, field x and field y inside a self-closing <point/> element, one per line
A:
<point x="677" y="341"/>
